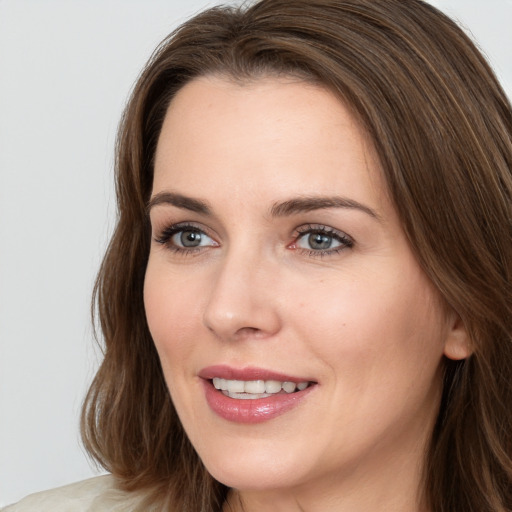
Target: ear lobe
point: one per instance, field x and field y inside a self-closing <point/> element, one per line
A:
<point x="457" y="345"/>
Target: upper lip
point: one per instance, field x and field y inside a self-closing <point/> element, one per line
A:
<point x="248" y="373"/>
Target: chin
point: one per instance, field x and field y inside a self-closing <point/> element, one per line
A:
<point x="259" y="468"/>
<point x="254" y="479"/>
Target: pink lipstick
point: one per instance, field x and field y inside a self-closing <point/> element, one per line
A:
<point x="252" y="395"/>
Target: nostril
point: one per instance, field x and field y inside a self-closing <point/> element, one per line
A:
<point x="248" y="330"/>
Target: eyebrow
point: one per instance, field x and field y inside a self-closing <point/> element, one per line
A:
<point x="310" y="203"/>
<point x="180" y="201"/>
<point x="280" y="209"/>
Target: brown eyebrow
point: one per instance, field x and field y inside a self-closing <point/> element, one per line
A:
<point x="180" y="201"/>
<point x="281" y="209"/>
<point x="306" y="204"/>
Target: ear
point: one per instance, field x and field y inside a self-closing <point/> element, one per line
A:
<point x="457" y="345"/>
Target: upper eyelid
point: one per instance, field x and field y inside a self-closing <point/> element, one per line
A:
<point x="306" y="228"/>
<point x="165" y="237"/>
<point x="159" y="233"/>
<point x="169" y="230"/>
<point x="345" y="240"/>
<point x="181" y="226"/>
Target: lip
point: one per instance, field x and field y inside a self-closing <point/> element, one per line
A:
<point x="250" y="411"/>
<point x="248" y="373"/>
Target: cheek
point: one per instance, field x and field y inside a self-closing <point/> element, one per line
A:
<point x="386" y="327"/>
<point x="172" y="312"/>
<point x="381" y="343"/>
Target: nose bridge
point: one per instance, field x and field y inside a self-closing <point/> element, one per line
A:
<point x="240" y="301"/>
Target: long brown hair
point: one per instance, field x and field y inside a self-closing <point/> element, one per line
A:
<point x="442" y="128"/>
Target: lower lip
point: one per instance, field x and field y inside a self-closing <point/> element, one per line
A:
<point x="252" y="411"/>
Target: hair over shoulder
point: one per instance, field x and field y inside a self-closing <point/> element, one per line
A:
<point x="441" y="126"/>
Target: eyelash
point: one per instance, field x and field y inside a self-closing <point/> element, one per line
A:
<point x="167" y="233"/>
<point x="345" y="241"/>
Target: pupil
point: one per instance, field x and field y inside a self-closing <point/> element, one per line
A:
<point x="190" y="238"/>
<point x="319" y="241"/>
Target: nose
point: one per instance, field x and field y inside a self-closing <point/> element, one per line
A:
<point x="241" y="302"/>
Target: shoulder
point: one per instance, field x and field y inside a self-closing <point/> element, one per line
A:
<point x="98" y="494"/>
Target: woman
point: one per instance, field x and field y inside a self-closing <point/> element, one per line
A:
<point x="306" y="301"/>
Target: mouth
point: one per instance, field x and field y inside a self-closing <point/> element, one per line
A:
<point x="256" y="389"/>
<point x="252" y="395"/>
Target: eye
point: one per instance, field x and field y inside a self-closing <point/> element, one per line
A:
<point x="320" y="240"/>
<point x="190" y="238"/>
<point x="183" y="238"/>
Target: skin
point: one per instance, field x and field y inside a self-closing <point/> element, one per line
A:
<point x="361" y="319"/>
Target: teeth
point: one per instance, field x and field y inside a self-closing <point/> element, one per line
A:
<point x="246" y="396"/>
<point x="245" y="389"/>
<point x="235" y="386"/>
<point x="289" y="387"/>
<point x="220" y="383"/>
<point x="272" y="386"/>
<point x="254" y="387"/>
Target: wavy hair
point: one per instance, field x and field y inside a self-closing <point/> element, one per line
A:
<point x="442" y="128"/>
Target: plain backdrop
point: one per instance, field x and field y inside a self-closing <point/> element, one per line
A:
<point x="66" y="68"/>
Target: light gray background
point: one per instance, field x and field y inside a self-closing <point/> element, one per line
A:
<point x="66" y="67"/>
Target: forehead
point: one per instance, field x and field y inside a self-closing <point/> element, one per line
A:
<point x="278" y="134"/>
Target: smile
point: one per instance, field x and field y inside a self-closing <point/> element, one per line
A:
<point x="253" y="395"/>
<point x="256" y="389"/>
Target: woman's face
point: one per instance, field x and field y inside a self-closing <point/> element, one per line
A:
<point x="278" y="261"/>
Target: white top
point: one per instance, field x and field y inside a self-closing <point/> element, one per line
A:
<point x="98" y="494"/>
